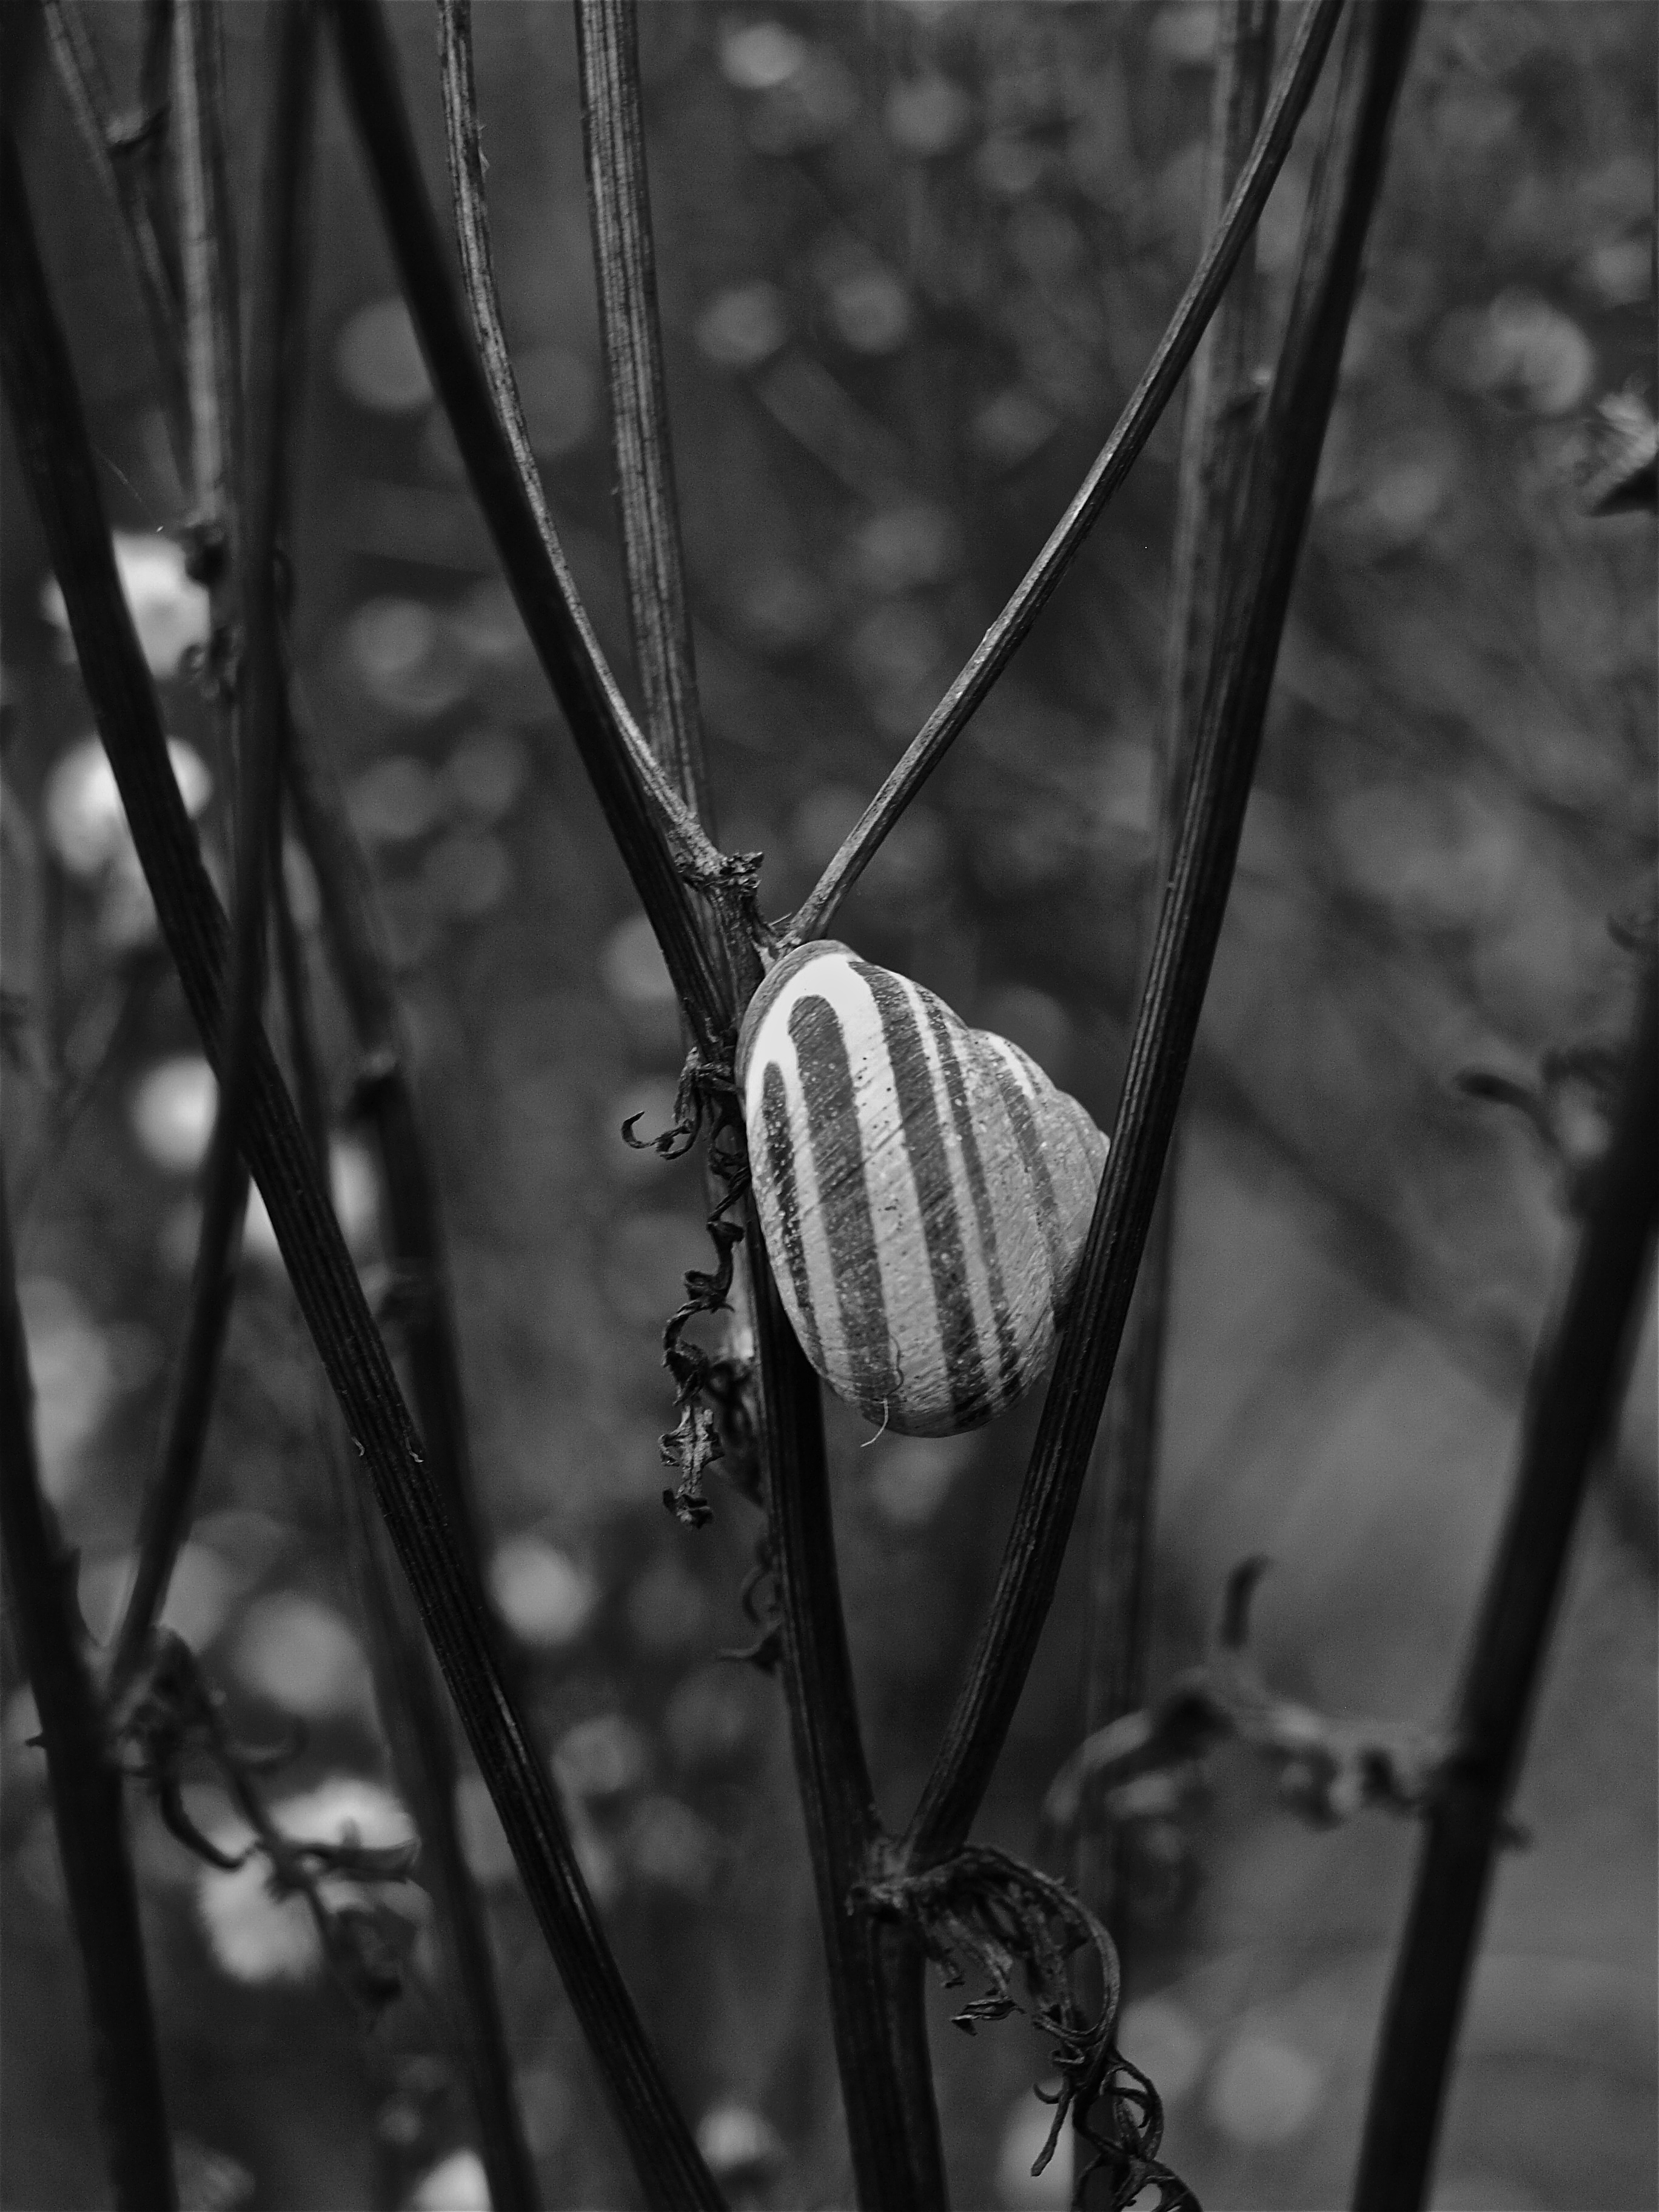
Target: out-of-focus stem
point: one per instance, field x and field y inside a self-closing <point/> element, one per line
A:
<point x="1117" y="458"/>
<point x="1215" y="445"/>
<point x="86" y="1790"/>
<point x="80" y="75"/>
<point x="1285" y="462"/>
<point x="410" y="1701"/>
<point x="1572" y="1403"/>
<point x="248" y="543"/>
<point x="385" y="1095"/>
<point x="56" y="454"/>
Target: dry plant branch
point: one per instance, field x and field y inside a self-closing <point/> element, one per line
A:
<point x="644" y="816"/>
<point x="624" y="260"/>
<point x="238" y="552"/>
<point x="86" y="1790"/>
<point x="1224" y="762"/>
<point x="410" y="1701"/>
<point x="874" y="1971"/>
<point x="466" y="176"/>
<point x="57" y="463"/>
<point x="1215" y="446"/>
<point x="1117" y="458"/>
<point x="1572" y="1402"/>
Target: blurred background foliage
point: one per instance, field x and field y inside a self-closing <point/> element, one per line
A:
<point x="912" y="257"/>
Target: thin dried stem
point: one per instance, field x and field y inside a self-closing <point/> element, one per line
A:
<point x="1572" y="1404"/>
<point x="386" y="1097"/>
<point x="212" y="346"/>
<point x="1215" y="445"/>
<point x="467" y="177"/>
<point x="86" y="89"/>
<point x="1117" y="458"/>
<point x="56" y="457"/>
<point x="624" y="259"/>
<point x="86" y="1790"/>
<point x="250" y="544"/>
<point x="164" y="1517"/>
<point x="655" y="835"/>
<point x="1189" y="925"/>
<point x="410" y="1701"/>
<point x="874" y="1971"/>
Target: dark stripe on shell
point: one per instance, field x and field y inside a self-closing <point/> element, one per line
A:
<point x="1030" y="1141"/>
<point x="780" y="1159"/>
<point x="843" y="1195"/>
<point x="924" y="1140"/>
<point x="766" y="993"/>
<point x="945" y="1029"/>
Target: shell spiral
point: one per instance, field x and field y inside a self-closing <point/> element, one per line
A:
<point x="924" y="1190"/>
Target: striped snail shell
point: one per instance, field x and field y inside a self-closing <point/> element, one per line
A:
<point x="924" y="1190"/>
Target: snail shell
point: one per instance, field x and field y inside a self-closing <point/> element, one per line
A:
<point x="924" y="1190"/>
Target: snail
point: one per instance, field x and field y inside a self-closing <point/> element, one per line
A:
<point x="924" y="1191"/>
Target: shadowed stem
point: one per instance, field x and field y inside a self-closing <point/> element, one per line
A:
<point x="874" y="1971"/>
<point x="56" y="459"/>
<point x="86" y="90"/>
<point x="410" y="1703"/>
<point x="1139" y="417"/>
<point x="86" y="1790"/>
<point x="1223" y="763"/>
<point x="644" y="815"/>
<point x="249" y="544"/>
<point x="1572" y="1403"/>
<point x="1215" y="445"/>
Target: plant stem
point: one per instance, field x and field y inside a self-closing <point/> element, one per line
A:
<point x="625" y="263"/>
<point x="411" y="1703"/>
<point x="1189" y="925"/>
<point x="874" y="1971"/>
<point x="248" y="547"/>
<point x="875" y="1975"/>
<point x="57" y="462"/>
<point x="385" y="1095"/>
<point x="86" y="90"/>
<point x="86" y="1790"/>
<point x="467" y="177"/>
<point x="642" y="812"/>
<point x="210" y="307"/>
<point x="1117" y="458"/>
<point x="1215" y="447"/>
<point x="1573" y="1402"/>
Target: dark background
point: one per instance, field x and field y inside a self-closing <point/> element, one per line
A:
<point x="912" y="258"/>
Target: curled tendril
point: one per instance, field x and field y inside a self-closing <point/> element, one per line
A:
<point x="759" y="1602"/>
<point x="985" y="1912"/>
<point x="710" y="1388"/>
